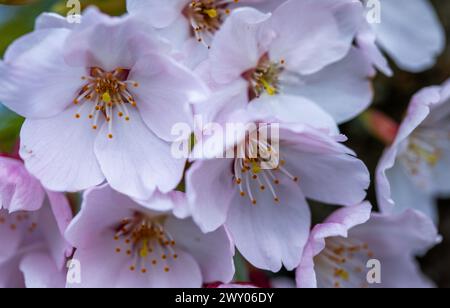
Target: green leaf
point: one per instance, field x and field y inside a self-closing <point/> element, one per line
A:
<point x="242" y="273"/>
<point x="10" y="125"/>
<point x="21" y="22"/>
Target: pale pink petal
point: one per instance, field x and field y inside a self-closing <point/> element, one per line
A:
<point x="312" y="34"/>
<point x="210" y="191"/>
<point x="269" y="234"/>
<point x="294" y="109"/>
<point x="19" y="191"/>
<point x="165" y="91"/>
<point x="59" y="151"/>
<point x="41" y="272"/>
<point x="41" y="88"/>
<point x="139" y="156"/>
<point x="239" y="45"/>
<point x="343" y="90"/>
<point x="110" y="42"/>
<point x="160" y="13"/>
<point x="413" y="45"/>
<point x="213" y="251"/>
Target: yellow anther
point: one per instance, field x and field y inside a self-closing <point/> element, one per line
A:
<point x="106" y="97"/>
<point x="431" y="157"/>
<point x="212" y="13"/>
<point x="256" y="169"/>
<point x="344" y="275"/>
<point x="269" y="89"/>
<point x="144" y="250"/>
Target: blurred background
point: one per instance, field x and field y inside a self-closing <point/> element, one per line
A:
<point x="392" y="98"/>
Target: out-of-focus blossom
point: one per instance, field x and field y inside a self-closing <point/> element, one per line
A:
<point x="19" y="191"/>
<point x="264" y="205"/>
<point x="408" y="30"/>
<point x="414" y="170"/>
<point x="300" y="55"/>
<point x="33" y="251"/>
<point x="339" y="250"/>
<point x="190" y="25"/>
<point x="100" y="100"/>
<point x="121" y="243"/>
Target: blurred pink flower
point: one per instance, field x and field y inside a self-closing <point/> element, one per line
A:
<point x="121" y="243"/>
<point x="338" y="250"/>
<point x="414" y="170"/>
<point x="33" y="251"/>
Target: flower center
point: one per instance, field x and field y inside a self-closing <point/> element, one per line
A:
<point x="424" y="146"/>
<point x="108" y="92"/>
<point x="342" y="263"/>
<point x="260" y="169"/>
<point x="145" y="240"/>
<point x="206" y="17"/>
<point x="264" y="78"/>
<point x="18" y="222"/>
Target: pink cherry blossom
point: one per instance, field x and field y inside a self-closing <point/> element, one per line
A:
<point x="19" y="191"/>
<point x="300" y="54"/>
<point x="414" y="170"/>
<point x="338" y="250"/>
<point x="186" y="21"/>
<point x="265" y="209"/>
<point x="121" y="243"/>
<point x="32" y="222"/>
<point x="100" y="103"/>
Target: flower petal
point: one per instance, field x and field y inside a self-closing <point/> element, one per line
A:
<point x="165" y="90"/>
<point x="326" y="169"/>
<point x="210" y="191"/>
<point x="294" y="109"/>
<point x="343" y="89"/>
<point x="312" y="34"/>
<point x="213" y="251"/>
<point x="269" y="234"/>
<point x="239" y="45"/>
<point x="10" y="275"/>
<point x="40" y="271"/>
<point x="160" y="13"/>
<point x="59" y="151"/>
<point x="413" y="45"/>
<point x="41" y="88"/>
<point x="19" y="191"/>
<point x="11" y="236"/>
<point x="110" y="42"/>
<point x="137" y="155"/>
<point x="52" y="21"/>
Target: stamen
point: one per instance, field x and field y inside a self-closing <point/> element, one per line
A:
<point x="19" y="221"/>
<point x="288" y="174"/>
<point x="265" y="78"/>
<point x="249" y="171"/>
<point x="342" y="263"/>
<point x="106" y="91"/>
<point x="142" y="239"/>
<point x="206" y="18"/>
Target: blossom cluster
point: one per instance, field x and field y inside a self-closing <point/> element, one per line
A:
<point x="102" y="98"/>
